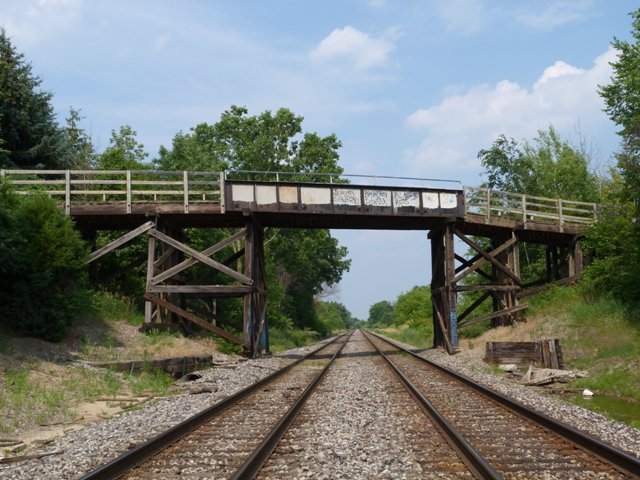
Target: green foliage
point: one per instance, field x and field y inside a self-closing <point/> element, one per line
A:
<point x="42" y="266"/>
<point x="29" y="135"/>
<point x="413" y="307"/>
<point x="334" y="316"/>
<point x="548" y="167"/>
<point x="124" y="152"/>
<point x="284" y="339"/>
<point x="381" y="314"/>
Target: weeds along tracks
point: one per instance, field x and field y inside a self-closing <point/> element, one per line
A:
<point x="524" y="445"/>
<point x="215" y="442"/>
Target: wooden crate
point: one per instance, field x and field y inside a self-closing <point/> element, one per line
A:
<point x="544" y="353"/>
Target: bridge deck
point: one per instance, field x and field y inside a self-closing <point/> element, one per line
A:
<point x="124" y="199"/>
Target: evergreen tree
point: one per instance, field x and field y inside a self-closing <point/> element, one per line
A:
<point x="29" y="134"/>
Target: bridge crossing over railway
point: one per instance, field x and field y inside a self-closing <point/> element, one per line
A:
<point x="161" y="204"/>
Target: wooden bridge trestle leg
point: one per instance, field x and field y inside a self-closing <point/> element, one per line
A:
<point x="255" y="323"/>
<point x="443" y="292"/>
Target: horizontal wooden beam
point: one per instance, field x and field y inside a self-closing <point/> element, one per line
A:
<point x="192" y="318"/>
<point x="127" y="237"/>
<point x="216" y="290"/>
<point x="482" y="288"/>
<point x="500" y="313"/>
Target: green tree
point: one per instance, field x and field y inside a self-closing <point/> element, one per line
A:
<point x="29" y="134"/>
<point x="42" y="266"/>
<point x="546" y="167"/>
<point x="124" y="152"/>
<point x="413" y="307"/>
<point x="615" y="239"/>
<point x="381" y="314"/>
<point x="334" y="316"/>
<point x="80" y="147"/>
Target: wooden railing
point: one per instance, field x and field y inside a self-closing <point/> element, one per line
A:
<point x="496" y="204"/>
<point x="119" y="186"/>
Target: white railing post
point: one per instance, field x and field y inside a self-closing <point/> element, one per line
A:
<point x="185" y="181"/>
<point x="3" y="172"/>
<point x="561" y="218"/>
<point x="524" y="209"/>
<point x="488" y="204"/>
<point x="129" y="199"/>
<point x="222" y="199"/>
<point x="67" y="192"/>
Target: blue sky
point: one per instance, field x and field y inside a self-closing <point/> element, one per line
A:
<point x="412" y="88"/>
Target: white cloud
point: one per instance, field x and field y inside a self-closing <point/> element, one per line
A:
<point x="357" y="49"/>
<point x="162" y="41"/>
<point x="38" y="21"/>
<point x="462" y="124"/>
<point x="556" y="14"/>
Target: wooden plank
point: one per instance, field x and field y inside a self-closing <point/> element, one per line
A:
<point x="120" y="241"/>
<point x="499" y="313"/>
<point x="193" y="318"/>
<point x="199" y="256"/>
<point x="445" y="332"/>
<point x="489" y="256"/>
<point x="481" y="288"/>
<point x="221" y="290"/>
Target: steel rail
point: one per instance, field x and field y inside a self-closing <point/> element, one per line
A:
<point x="619" y="459"/>
<point x="479" y="466"/>
<point x="254" y="462"/>
<point x="128" y="460"/>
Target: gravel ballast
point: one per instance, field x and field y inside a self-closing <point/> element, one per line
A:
<point x="87" y="449"/>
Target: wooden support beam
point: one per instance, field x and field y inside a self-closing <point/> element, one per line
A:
<point x="488" y="257"/>
<point x="473" y="306"/>
<point x="192" y="318"/>
<point x="499" y="313"/>
<point x="127" y="237"/>
<point x="218" y="290"/>
<point x="533" y="291"/>
<point x="192" y="261"/>
<point x="447" y="341"/>
<point x="481" y="288"/>
<point x="199" y="256"/>
<point x="469" y="263"/>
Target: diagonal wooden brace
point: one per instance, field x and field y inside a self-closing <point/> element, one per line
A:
<point x="488" y="257"/>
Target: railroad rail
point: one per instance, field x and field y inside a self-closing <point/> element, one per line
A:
<point x="129" y="187"/>
<point x="516" y="440"/>
<point x="188" y="446"/>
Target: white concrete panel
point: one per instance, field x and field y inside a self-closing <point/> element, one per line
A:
<point x="377" y="198"/>
<point x="242" y="193"/>
<point x="406" y="199"/>
<point x="288" y="194"/>
<point x="430" y="200"/>
<point x="315" y="196"/>
<point x="448" y="200"/>
<point x="346" y="196"/>
<point x="266" y="194"/>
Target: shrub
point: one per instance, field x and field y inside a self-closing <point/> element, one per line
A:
<point x="42" y="266"/>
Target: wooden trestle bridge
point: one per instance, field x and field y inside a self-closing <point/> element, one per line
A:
<point x="161" y="204"/>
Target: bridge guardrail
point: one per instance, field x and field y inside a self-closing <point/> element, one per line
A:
<point x="120" y="186"/>
<point x="495" y="203"/>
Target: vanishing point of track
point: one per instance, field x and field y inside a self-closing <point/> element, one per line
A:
<point x="441" y="423"/>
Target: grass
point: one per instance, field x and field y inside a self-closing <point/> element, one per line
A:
<point x="420" y="336"/>
<point x="111" y="307"/>
<point x="291" y="338"/>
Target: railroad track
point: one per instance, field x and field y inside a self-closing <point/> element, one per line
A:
<point x="516" y="441"/>
<point x="302" y="422"/>
<point x="215" y="442"/>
